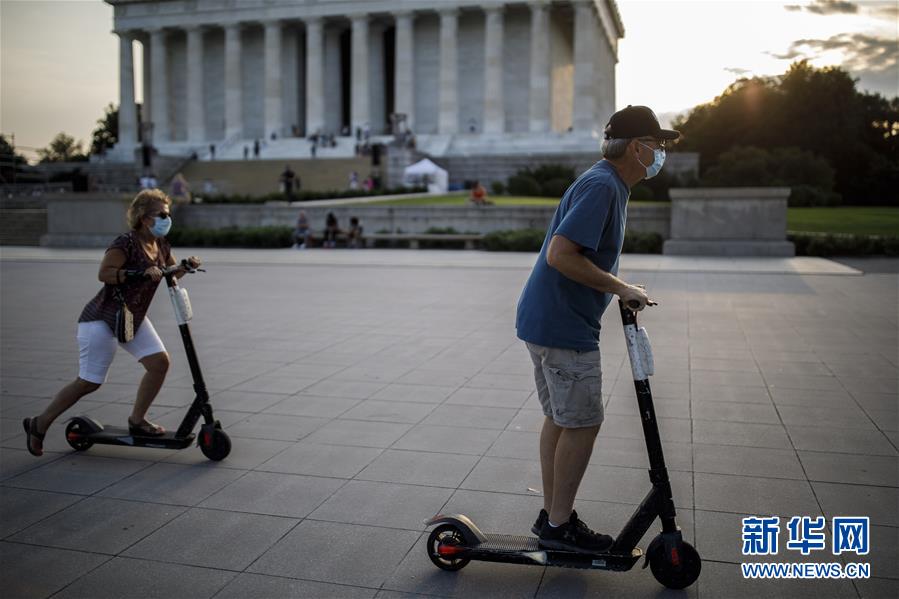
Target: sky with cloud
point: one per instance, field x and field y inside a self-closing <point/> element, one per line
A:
<point x="59" y="59"/>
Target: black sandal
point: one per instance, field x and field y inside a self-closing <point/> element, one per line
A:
<point x="30" y="425"/>
<point x="145" y="429"/>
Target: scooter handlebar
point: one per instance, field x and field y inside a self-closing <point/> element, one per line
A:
<point x="170" y="270"/>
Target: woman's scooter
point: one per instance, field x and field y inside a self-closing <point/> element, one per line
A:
<point x="674" y="562"/>
<point x="83" y="431"/>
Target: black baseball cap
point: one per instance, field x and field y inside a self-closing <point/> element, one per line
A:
<point x="637" y="121"/>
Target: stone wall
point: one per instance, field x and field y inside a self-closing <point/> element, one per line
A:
<point x="406" y="219"/>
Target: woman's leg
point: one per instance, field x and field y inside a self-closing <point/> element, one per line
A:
<point x="147" y="347"/>
<point x="157" y="366"/>
<point x="65" y="399"/>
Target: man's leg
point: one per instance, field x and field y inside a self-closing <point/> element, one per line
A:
<point x="549" y="438"/>
<point x="573" y="450"/>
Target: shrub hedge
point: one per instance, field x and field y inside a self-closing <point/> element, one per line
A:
<point x="833" y="244"/>
<point x="531" y="240"/>
<point x="305" y="196"/>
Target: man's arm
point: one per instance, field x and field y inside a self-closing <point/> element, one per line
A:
<point x="565" y="256"/>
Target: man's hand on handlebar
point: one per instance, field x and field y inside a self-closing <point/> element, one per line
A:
<point x="635" y="298"/>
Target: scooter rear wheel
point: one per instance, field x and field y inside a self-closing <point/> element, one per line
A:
<point x="678" y="575"/>
<point x="215" y="444"/>
<point x="444" y="542"/>
<point x="77" y="435"/>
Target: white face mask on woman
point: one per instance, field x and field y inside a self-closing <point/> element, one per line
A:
<point x="161" y="226"/>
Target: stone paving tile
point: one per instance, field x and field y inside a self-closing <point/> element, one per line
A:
<point x="309" y="405"/>
<point x="36" y="572"/>
<point x="877" y="588"/>
<point x="175" y="484"/>
<point x="447" y="439"/>
<point x="274" y="494"/>
<point x="359" y="433"/>
<point x="749" y="461"/>
<point x="848" y="416"/>
<point x="379" y="549"/>
<point x="244" y="401"/>
<point x="878" y="503"/>
<point x="841" y="440"/>
<point x="127" y="578"/>
<point x="21" y="507"/>
<point x="760" y="413"/>
<point x="99" y="525"/>
<point x="419" y="468"/>
<point x="389" y="411"/>
<point x="213" y="539"/>
<point x="846" y="468"/>
<point x="754" y="495"/>
<point x="244" y="455"/>
<point x="79" y="474"/>
<point x="725" y="580"/>
<point x="258" y="585"/>
<point x="428" y="394"/>
<point x="740" y="433"/>
<point x="337" y="461"/>
<point x="276" y="427"/>
<point x="475" y="417"/>
<point x="496" y="398"/>
<point x="389" y="505"/>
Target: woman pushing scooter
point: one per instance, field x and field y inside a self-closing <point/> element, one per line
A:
<point x="130" y="271"/>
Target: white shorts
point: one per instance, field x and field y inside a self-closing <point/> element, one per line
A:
<point x="97" y="345"/>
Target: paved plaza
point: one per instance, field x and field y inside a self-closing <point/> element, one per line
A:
<point x="367" y="391"/>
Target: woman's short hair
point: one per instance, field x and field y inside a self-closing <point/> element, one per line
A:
<point x="142" y="203"/>
<point x="615" y="148"/>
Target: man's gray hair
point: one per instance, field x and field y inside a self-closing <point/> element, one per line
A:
<point x="615" y="148"/>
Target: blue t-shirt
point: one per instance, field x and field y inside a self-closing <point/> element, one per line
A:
<point x="555" y="311"/>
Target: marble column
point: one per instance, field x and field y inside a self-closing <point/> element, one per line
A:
<point x="404" y="68"/>
<point x="359" y="85"/>
<point x="315" y="77"/>
<point x="585" y="35"/>
<point x="127" y="108"/>
<point x="159" y="75"/>
<point x="539" y="110"/>
<point x="233" y="83"/>
<point x="145" y="115"/>
<point x="494" y="107"/>
<point x="448" y="106"/>
<point x="272" y="105"/>
<point x="196" y="107"/>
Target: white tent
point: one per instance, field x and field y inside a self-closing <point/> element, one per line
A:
<point x="426" y="173"/>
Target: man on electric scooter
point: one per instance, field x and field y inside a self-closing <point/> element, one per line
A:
<point x="560" y="309"/>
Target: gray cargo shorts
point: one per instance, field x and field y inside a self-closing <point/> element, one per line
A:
<point x="569" y="385"/>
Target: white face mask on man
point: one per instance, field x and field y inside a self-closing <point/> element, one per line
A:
<point x="658" y="155"/>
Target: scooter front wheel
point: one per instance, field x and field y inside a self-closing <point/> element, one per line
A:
<point x="676" y="571"/>
<point x="444" y="544"/>
<point x="77" y="435"/>
<point x="215" y="444"/>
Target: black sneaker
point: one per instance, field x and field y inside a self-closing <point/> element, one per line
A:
<point x="538" y="525"/>
<point x="574" y="535"/>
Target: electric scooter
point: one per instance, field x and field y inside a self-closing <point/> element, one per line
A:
<point x="456" y="540"/>
<point x="83" y="431"/>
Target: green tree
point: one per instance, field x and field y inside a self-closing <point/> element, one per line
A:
<point x="816" y="110"/>
<point x="63" y="148"/>
<point x="107" y="132"/>
<point x="10" y="160"/>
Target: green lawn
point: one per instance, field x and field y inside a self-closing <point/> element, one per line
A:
<point x="861" y="220"/>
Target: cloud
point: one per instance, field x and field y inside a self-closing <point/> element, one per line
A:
<point x="874" y="60"/>
<point x="826" y="7"/>
<point x="737" y="71"/>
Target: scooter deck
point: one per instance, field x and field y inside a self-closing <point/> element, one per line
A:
<point x="118" y="435"/>
<point x="527" y="550"/>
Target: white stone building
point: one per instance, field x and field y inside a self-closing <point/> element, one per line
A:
<point x="471" y="78"/>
